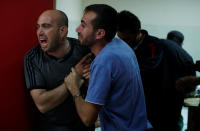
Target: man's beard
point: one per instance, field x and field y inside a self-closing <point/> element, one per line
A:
<point x="89" y="41"/>
<point x="55" y="45"/>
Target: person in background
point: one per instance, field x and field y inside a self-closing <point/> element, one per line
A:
<point x="176" y="36"/>
<point x="115" y="88"/>
<point x="161" y="63"/>
<point x="45" y="67"/>
<point x="186" y="85"/>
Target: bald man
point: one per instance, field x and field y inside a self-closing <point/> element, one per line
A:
<point x="45" y="67"/>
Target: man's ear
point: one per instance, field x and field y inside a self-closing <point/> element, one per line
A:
<point x="100" y="33"/>
<point x="63" y="31"/>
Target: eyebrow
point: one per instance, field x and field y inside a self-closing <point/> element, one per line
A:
<point x="44" y="24"/>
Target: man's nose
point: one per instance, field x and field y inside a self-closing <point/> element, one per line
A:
<point x="40" y="32"/>
<point x="78" y="29"/>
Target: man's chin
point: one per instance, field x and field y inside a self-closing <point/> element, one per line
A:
<point x="86" y="45"/>
<point x="44" y="49"/>
<point x="82" y="43"/>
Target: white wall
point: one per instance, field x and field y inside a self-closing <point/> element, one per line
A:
<point x="73" y="10"/>
<point x="158" y="17"/>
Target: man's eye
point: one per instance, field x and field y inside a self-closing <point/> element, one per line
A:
<point x="83" y="25"/>
<point x="46" y="25"/>
<point x="37" y="26"/>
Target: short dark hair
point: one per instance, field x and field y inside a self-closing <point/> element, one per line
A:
<point x="128" y="22"/>
<point x="176" y="36"/>
<point x="106" y="19"/>
<point x="63" y="19"/>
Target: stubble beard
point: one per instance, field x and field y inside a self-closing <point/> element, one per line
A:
<point x="55" y="44"/>
<point x="89" y="41"/>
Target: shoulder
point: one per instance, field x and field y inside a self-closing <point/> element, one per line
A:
<point x="33" y="54"/>
<point x="109" y="55"/>
<point x="171" y="46"/>
<point x="174" y="49"/>
<point x="155" y="40"/>
<point x="152" y="42"/>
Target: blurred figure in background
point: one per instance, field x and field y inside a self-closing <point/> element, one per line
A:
<point x="176" y="36"/>
<point x="161" y="63"/>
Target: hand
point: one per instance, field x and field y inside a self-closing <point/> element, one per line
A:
<point x="73" y="82"/>
<point x="187" y="84"/>
<point x="83" y="64"/>
<point x="86" y="75"/>
<point x="86" y="72"/>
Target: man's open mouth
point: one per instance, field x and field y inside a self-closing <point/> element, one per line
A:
<point x="43" y="43"/>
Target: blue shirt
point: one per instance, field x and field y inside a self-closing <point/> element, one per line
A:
<point x="115" y="83"/>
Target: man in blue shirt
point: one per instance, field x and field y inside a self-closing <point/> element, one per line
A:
<point x="115" y="89"/>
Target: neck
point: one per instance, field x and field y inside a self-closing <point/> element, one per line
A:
<point x="62" y="50"/>
<point x="98" y="46"/>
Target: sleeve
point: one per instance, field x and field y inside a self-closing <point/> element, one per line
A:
<point x="99" y="85"/>
<point x="33" y="76"/>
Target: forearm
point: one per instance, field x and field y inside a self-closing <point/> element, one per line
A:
<point x="88" y="112"/>
<point x="187" y="84"/>
<point x="47" y="100"/>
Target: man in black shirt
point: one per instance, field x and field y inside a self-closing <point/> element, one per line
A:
<point x="45" y="67"/>
<point x="161" y="63"/>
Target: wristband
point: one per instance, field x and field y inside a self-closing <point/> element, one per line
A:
<point x="77" y="95"/>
